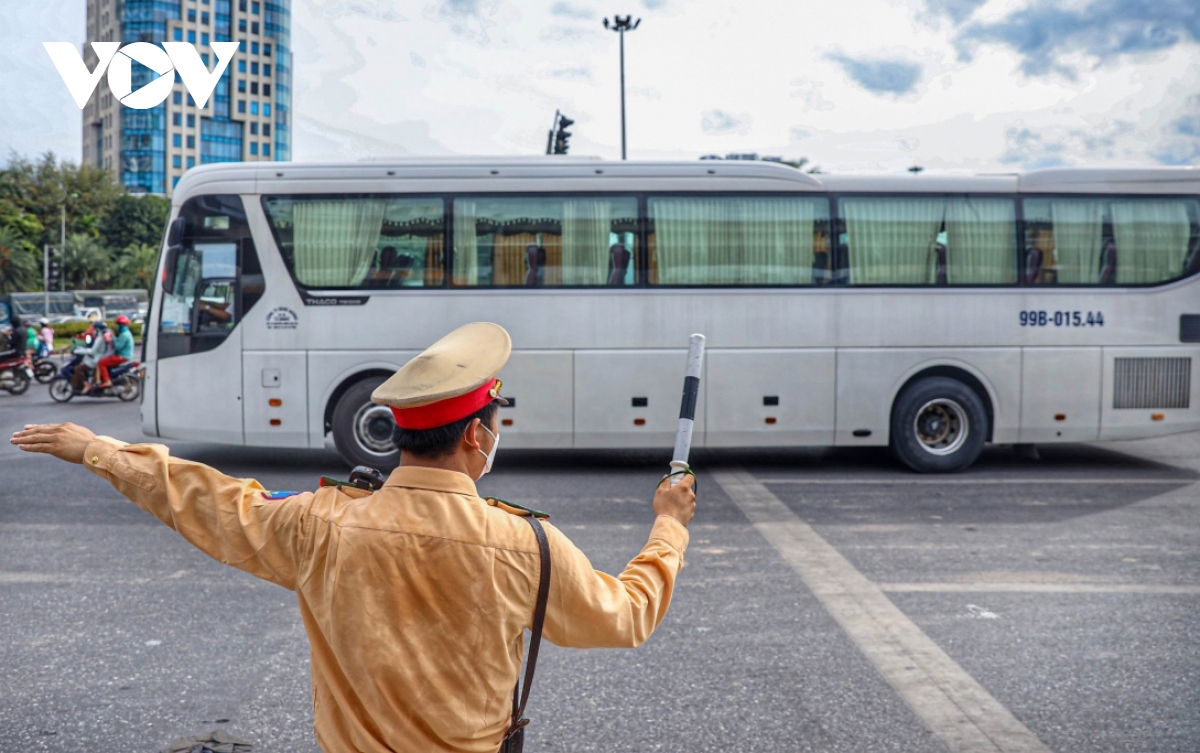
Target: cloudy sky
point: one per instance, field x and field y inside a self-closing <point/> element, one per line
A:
<point x="977" y="85"/>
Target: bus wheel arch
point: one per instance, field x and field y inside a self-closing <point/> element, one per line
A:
<point x="356" y="423"/>
<point x="941" y="417"/>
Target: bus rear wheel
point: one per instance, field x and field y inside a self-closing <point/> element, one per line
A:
<point x="939" y="425"/>
<point x="362" y="430"/>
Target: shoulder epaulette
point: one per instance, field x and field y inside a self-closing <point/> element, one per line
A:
<point x="516" y="509"/>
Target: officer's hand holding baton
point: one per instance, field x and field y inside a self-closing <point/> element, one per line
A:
<point x="681" y="477"/>
<point x="676" y="500"/>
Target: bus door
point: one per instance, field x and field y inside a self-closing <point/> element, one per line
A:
<point x="198" y="367"/>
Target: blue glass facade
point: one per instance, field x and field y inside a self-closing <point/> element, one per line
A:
<point x="278" y="27"/>
<point x="220" y="137"/>
<point x="143" y="156"/>
<point x="147" y="159"/>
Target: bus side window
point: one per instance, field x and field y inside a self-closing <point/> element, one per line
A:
<point x="737" y="240"/>
<point x="544" y="241"/>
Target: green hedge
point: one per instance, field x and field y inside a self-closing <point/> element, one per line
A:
<point x="71" y="329"/>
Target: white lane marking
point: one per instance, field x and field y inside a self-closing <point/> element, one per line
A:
<point x="951" y="704"/>
<point x="968" y="481"/>
<point x="1049" y="588"/>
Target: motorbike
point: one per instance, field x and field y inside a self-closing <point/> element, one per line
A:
<point x="126" y="382"/>
<point x="44" y="369"/>
<point x="15" y="373"/>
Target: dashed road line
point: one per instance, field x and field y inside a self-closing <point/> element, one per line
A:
<point x="951" y="704"/>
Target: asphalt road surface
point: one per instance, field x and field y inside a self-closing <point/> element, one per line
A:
<point x="831" y="602"/>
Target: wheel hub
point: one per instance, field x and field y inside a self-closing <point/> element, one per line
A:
<point x="941" y="426"/>
<point x="373" y="427"/>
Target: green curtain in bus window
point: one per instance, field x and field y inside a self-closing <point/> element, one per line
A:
<point x="335" y="241"/>
<point x="1152" y="239"/>
<point x="981" y="242"/>
<point x="466" y="251"/>
<point x="892" y="241"/>
<point x="586" y="228"/>
<point x="1078" y="238"/>
<point x="733" y="241"/>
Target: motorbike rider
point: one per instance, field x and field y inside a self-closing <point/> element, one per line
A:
<point x="46" y="347"/>
<point x="93" y="354"/>
<point x="8" y="346"/>
<point x="32" y="339"/>
<point x="123" y="347"/>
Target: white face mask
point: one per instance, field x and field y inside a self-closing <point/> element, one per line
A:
<point x="490" y="454"/>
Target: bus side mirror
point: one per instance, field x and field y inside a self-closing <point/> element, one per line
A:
<point x="169" y="266"/>
<point x="175" y="232"/>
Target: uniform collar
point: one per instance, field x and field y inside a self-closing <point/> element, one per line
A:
<point x="434" y="479"/>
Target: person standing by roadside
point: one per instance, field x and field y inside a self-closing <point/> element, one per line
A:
<point x="123" y="351"/>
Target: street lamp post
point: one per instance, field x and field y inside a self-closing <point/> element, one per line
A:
<point x="622" y="25"/>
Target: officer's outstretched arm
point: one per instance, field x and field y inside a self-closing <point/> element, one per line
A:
<point x="591" y="609"/>
<point x="227" y="518"/>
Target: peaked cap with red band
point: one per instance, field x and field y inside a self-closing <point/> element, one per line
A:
<point x="453" y="378"/>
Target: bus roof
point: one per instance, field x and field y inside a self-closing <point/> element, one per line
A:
<point x="589" y="172"/>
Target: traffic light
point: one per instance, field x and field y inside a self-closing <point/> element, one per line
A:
<point x="561" y="134"/>
<point x="54" y="270"/>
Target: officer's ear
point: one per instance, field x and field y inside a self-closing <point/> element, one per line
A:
<point x="471" y="435"/>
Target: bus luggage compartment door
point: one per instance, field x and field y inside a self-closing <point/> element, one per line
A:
<point x="631" y="398"/>
<point x="539" y="384"/>
<point x="760" y="398"/>
<point x="275" y="393"/>
<point x="1060" y="394"/>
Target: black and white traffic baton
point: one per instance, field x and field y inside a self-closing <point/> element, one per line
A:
<point x="687" y="410"/>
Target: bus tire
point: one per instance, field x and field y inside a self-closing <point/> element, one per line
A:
<point x="939" y="425"/>
<point x="362" y="430"/>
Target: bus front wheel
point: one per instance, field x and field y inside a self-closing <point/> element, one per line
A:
<point x="362" y="430"/>
<point x="939" y="425"/>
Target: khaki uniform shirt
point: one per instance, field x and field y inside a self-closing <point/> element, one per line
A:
<point x="415" y="598"/>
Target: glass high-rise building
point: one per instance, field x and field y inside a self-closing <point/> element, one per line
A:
<point x="248" y="117"/>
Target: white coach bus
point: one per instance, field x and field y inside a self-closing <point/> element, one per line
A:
<point x="931" y="314"/>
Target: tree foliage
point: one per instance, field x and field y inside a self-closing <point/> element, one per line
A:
<point x="135" y="267"/>
<point x="19" y="269"/>
<point x="85" y="262"/>
<point x="112" y="236"/>
<point x="135" y="221"/>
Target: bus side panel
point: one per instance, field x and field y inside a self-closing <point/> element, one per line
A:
<point x="541" y="386"/>
<point x="148" y="408"/>
<point x="330" y="369"/>
<point x="610" y="386"/>
<point x="1060" y="395"/>
<point x="1157" y="383"/>
<point x="869" y="380"/>
<point x="207" y="409"/>
<point x="761" y="398"/>
<point x="280" y="376"/>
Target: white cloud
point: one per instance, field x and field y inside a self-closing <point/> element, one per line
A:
<point x="380" y="77"/>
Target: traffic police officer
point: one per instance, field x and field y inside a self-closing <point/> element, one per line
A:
<point x="416" y="597"/>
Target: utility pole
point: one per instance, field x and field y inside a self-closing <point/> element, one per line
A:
<point x="46" y="280"/>
<point x="622" y="25"/>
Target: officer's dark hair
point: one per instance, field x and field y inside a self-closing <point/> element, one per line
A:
<point x="432" y="443"/>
